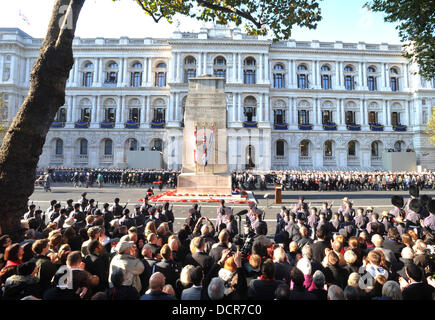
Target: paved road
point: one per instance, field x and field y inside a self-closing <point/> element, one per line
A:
<point x="380" y="200"/>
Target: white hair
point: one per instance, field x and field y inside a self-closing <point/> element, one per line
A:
<point x="392" y="289"/>
<point x="377" y="240"/>
<point x="335" y="293"/>
<point x="305" y="266"/>
<point x="307" y="252"/>
<point x="319" y="279"/>
<point x="216" y="289"/>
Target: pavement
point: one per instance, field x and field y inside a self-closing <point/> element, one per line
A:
<point x="380" y="200"/>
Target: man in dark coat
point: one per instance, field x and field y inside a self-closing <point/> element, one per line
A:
<point x="167" y="266"/>
<point x="264" y="288"/>
<point x="200" y="258"/>
<point x="318" y="247"/>
<point x="126" y="220"/>
<point x="415" y="288"/>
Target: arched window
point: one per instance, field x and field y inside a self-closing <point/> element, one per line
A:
<point x="375" y="149"/>
<point x="157" y="145"/>
<point x="108" y="147"/>
<point x="279" y="116"/>
<point x="278" y="76"/>
<point x="349" y="79"/>
<point x="132" y="144"/>
<point x="280" y="146"/>
<point x="160" y="75"/>
<point x="399" y="146"/>
<point x="111" y="74"/>
<point x="394" y="79"/>
<point x="59" y="147"/>
<point x="302" y="76"/>
<point x="189" y="68"/>
<point x="134" y="110"/>
<point x="327" y="148"/>
<point x="325" y="77"/>
<point x="250" y="108"/>
<point x="88" y="74"/>
<point x="109" y="110"/>
<point x="83" y="147"/>
<point x="136" y="74"/>
<point x="159" y="111"/>
<point x="395" y="118"/>
<point x="304" y="148"/>
<point x="60" y="115"/>
<point x="219" y="67"/>
<point x="249" y="72"/>
<point x="373" y="117"/>
<point x="351" y="148"/>
<point x="85" y="110"/>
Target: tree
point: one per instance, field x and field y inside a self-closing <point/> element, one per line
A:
<point x="25" y="138"/>
<point x="416" y="28"/>
<point x="431" y="128"/>
<point x="23" y="142"/>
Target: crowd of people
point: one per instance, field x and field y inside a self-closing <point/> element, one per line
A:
<point x="245" y="180"/>
<point x="83" y="252"/>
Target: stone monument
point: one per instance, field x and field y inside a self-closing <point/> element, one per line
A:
<point x="205" y="155"/>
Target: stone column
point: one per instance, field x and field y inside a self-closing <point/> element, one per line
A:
<point x="177" y="111"/>
<point x="361" y="111"/>
<point x="364" y="76"/>
<point x="120" y="72"/>
<point x="289" y="115"/>
<point x="384" y="111"/>
<point x="143" y="112"/>
<point x="405" y="76"/>
<point x="239" y="66"/>
<point x="118" y="113"/>
<point x="260" y="69"/>
<point x="98" y="120"/>
<point x="170" y="115"/>
<point x="179" y="68"/>
<point x="234" y="77"/>
<point x="234" y="116"/>
<point x="76" y="80"/>
<point x="173" y="66"/>
<point x="383" y="77"/>
<point x="149" y="73"/>
<point x="1" y="68"/>
<point x="200" y="64"/>
<point x="125" y="80"/>
<point x="337" y="74"/>
<point x="266" y="68"/>
<point x="239" y="108"/>
<point x="13" y="69"/>
<point x="295" y="112"/>
<point x="144" y="72"/>
<point x="267" y="108"/>
<point x="260" y="109"/>
<point x="94" y="123"/>
<point x="204" y="69"/>
<point x="318" y="84"/>
<point x="100" y="72"/>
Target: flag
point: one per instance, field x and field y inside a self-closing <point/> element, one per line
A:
<point x="210" y="142"/>
<point x="204" y="147"/>
<point x="194" y="145"/>
<point x="25" y="19"/>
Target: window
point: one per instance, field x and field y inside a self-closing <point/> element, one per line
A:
<point x="302" y="81"/>
<point x="302" y="77"/>
<point x="398" y="146"/>
<point x="133" y="115"/>
<point x="328" y="148"/>
<point x="303" y="117"/>
<point x="280" y="148"/>
<point x="87" y="79"/>
<point x="160" y="79"/>
<point x="189" y="68"/>
<point x="326" y="82"/>
<point x="250" y="113"/>
<point x="61" y="115"/>
<point x="304" y="148"/>
<point x="351" y="148"/>
<point x="349" y="83"/>
<point x="373" y="117"/>
<point x="371" y="83"/>
<point x="132" y="144"/>
<point x="59" y="147"/>
<point x="371" y="69"/>
<point x="348" y="68"/>
<point x="375" y="149"/>
<point x="109" y="115"/>
<point x="219" y="67"/>
<point x="325" y="68"/>
<point x="249" y="71"/>
<point x="108" y="147"/>
<point x="136" y="79"/>
<point x="83" y="147"/>
<point x="278" y="76"/>
<point x="278" y="80"/>
<point x="394" y="80"/>
<point x="350" y="117"/>
<point x="111" y="74"/>
<point x="326" y="116"/>
<point x="85" y="114"/>
<point x="157" y="145"/>
<point x="394" y="84"/>
<point x="395" y="118"/>
<point x="279" y="116"/>
<point x="159" y="115"/>
<point x="111" y="77"/>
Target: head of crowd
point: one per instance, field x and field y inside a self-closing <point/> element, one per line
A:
<point x="85" y="251"/>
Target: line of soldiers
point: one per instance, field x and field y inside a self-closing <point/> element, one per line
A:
<point x="333" y="180"/>
<point x="301" y="223"/>
<point x="82" y="177"/>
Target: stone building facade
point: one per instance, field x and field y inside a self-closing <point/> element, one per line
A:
<point x="290" y="104"/>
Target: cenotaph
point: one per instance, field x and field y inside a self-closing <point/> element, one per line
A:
<point x="205" y="154"/>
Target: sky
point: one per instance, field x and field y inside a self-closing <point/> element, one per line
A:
<point x="343" y="20"/>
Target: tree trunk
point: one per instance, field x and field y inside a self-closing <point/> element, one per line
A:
<point x="25" y="138"/>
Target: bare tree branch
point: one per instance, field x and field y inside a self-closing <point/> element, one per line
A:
<point x="156" y="20"/>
